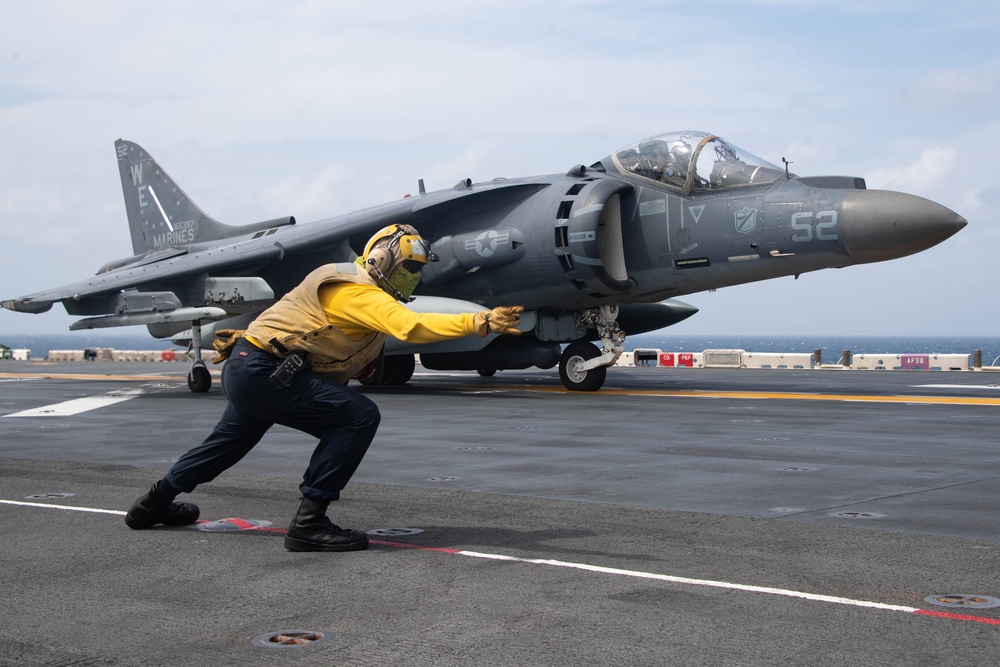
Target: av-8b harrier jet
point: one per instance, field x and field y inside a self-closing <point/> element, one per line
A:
<point x="591" y="254"/>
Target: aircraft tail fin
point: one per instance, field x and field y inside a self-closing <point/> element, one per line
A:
<point x="160" y="214"/>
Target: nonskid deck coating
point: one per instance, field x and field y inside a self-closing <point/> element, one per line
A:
<point x="704" y="476"/>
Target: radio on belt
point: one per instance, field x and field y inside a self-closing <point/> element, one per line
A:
<point x="287" y="370"/>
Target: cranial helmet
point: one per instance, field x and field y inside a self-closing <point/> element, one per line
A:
<point x="394" y="257"/>
<point x="393" y="245"/>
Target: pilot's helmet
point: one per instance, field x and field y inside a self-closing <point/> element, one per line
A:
<point x="394" y="257"/>
<point x="680" y="152"/>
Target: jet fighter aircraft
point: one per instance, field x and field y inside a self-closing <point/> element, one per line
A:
<point x="591" y="254"/>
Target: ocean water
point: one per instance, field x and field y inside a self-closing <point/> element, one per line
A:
<point x="831" y="347"/>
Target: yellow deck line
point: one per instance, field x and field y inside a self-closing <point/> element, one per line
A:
<point x="93" y="376"/>
<point x="788" y="396"/>
<point x="751" y="395"/>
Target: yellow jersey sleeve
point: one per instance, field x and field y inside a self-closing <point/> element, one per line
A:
<point x="357" y="309"/>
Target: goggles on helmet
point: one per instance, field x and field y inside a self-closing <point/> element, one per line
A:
<point x="394" y="257"/>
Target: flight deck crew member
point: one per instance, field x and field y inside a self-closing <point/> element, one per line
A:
<point x="337" y="318"/>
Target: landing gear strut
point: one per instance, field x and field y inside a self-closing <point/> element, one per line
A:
<point x="199" y="379"/>
<point x="583" y="366"/>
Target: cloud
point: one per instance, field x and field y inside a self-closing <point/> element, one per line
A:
<point x="971" y="90"/>
<point x="933" y="165"/>
<point x="313" y="109"/>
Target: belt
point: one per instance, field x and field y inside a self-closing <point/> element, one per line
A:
<point x="247" y="345"/>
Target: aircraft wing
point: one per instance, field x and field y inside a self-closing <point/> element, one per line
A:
<point x="238" y="274"/>
<point x="178" y="266"/>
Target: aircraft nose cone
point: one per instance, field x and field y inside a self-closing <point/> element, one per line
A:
<point x="880" y="224"/>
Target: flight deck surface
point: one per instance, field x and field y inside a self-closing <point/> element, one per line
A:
<point x="677" y="516"/>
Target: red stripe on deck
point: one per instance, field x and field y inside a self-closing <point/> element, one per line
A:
<point x="958" y="617"/>
<point x="403" y="545"/>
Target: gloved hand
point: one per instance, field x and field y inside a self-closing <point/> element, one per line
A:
<point x="501" y="320"/>
<point x="224" y="342"/>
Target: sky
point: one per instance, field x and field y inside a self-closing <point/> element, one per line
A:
<point x="261" y="110"/>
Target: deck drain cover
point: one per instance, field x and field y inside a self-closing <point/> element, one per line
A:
<point x="290" y="638"/>
<point x="395" y="532"/>
<point x="49" y="496"/>
<point x="964" y="601"/>
<point x="857" y="515"/>
<point x="231" y="525"/>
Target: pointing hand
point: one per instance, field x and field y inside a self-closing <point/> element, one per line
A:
<point x="501" y="320"/>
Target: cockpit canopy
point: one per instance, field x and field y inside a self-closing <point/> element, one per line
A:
<point x="694" y="161"/>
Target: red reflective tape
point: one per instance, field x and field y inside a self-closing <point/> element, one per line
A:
<point x="403" y="545"/>
<point x="958" y="617"/>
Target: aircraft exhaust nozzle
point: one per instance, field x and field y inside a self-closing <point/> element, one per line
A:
<point x="880" y="224"/>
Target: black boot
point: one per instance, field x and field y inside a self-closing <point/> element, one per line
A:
<point x="312" y="531"/>
<point x="158" y="506"/>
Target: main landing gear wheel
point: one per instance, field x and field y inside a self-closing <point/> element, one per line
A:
<point x="199" y="379"/>
<point x="392" y="370"/>
<point x="398" y="369"/>
<point x="575" y="379"/>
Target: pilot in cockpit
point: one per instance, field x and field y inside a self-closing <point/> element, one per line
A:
<point x="679" y="158"/>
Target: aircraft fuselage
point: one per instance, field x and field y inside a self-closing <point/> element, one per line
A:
<point x="593" y="253"/>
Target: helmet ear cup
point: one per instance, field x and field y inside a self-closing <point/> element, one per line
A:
<point x="382" y="257"/>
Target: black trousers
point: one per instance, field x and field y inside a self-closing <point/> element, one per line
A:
<point x="344" y="420"/>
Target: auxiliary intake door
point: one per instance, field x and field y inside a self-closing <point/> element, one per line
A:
<point x="589" y="237"/>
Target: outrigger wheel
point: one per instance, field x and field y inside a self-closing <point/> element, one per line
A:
<point x="199" y="379"/>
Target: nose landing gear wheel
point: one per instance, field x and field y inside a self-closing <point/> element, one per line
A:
<point x="575" y="379"/>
